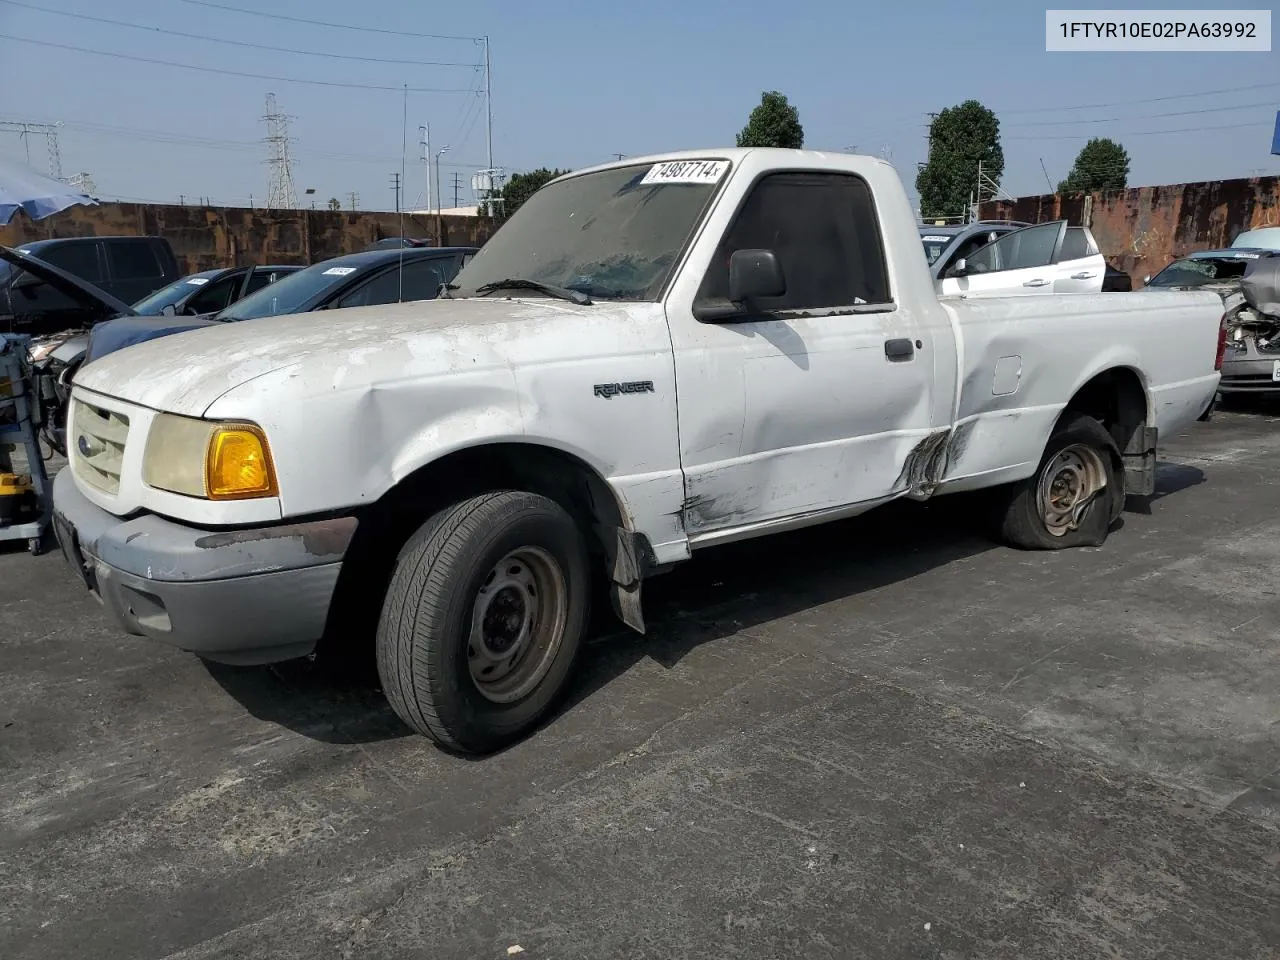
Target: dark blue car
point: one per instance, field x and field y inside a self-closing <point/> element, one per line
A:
<point x="355" y="280"/>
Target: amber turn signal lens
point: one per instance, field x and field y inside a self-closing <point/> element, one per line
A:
<point x="239" y="464"/>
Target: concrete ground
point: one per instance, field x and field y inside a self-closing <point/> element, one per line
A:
<point x="886" y="738"/>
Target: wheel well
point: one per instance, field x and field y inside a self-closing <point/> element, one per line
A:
<point x="1117" y="400"/>
<point x="385" y="526"/>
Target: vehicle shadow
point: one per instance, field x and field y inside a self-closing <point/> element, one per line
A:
<point x="723" y="591"/>
<point x="727" y="590"/>
<point x="1171" y="478"/>
<point x="331" y="701"/>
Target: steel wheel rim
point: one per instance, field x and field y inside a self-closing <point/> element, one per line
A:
<point x="517" y="624"/>
<point x="1068" y="484"/>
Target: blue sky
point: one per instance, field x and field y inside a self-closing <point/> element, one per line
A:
<point x="576" y="83"/>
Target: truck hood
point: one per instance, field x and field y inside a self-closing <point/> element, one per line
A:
<point x="339" y="349"/>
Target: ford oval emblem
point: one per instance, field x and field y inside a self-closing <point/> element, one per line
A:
<point x="84" y="446"/>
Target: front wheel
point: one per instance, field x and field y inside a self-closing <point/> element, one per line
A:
<point x="483" y="619"/>
<point x="1074" y="496"/>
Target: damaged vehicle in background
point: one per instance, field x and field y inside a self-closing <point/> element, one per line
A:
<point x="80" y="304"/>
<point x="1251" y="362"/>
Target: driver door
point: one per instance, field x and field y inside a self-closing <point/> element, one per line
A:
<point x="1020" y="262"/>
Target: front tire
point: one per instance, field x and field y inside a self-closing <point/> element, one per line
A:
<point x="483" y="619"/>
<point x="1074" y="496"/>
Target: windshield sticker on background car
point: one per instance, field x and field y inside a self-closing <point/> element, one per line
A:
<point x="339" y="271"/>
<point x="935" y="239"/>
<point x="198" y="281"/>
<point x="686" y="171"/>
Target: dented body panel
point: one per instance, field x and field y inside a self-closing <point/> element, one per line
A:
<point x="702" y="431"/>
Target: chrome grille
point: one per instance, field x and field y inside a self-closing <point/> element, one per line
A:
<point x="99" y="436"/>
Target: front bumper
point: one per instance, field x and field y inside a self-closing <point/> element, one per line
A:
<point x="245" y="596"/>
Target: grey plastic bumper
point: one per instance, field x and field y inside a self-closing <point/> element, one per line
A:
<point x="244" y="596"/>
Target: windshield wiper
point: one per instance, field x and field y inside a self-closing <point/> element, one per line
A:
<point x="551" y="290"/>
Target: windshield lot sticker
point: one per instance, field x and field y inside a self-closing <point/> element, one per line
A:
<point x="686" y="171"/>
<point x="339" y="271"/>
<point x="198" y="281"/>
<point x="936" y="239"/>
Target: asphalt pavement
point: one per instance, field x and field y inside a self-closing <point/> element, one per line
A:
<point x="882" y="738"/>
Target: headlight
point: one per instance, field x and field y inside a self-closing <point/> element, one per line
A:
<point x="214" y="461"/>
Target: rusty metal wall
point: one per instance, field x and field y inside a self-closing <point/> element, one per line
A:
<point x="207" y="237"/>
<point x="1141" y="229"/>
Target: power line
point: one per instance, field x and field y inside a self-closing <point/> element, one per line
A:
<point x="232" y="73"/>
<point x="324" y="23"/>
<point x="1129" y="103"/>
<point x="236" y="43"/>
<point x="1144" y="133"/>
<point x="1149" y="116"/>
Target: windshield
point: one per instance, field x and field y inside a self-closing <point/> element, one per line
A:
<point x="614" y="234"/>
<point x="290" y="293"/>
<point x="1193" y="273"/>
<point x="934" y="244"/>
<point x="151" y="305"/>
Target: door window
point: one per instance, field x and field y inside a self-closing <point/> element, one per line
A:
<point x="134" y="260"/>
<point x="80" y="259"/>
<point x="262" y="278"/>
<point x="1020" y="250"/>
<point x="1077" y="245"/>
<point x="214" y="296"/>
<point x="420" y="281"/>
<point x="825" y="233"/>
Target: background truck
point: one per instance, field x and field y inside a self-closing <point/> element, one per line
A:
<point x="650" y="358"/>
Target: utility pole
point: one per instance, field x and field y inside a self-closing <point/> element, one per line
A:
<point x="457" y="185"/>
<point x="354" y="198"/>
<point x="425" y="143"/>
<point x="439" y="219"/>
<point x="395" y="186"/>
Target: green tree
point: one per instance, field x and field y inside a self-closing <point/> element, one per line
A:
<point x="522" y="186"/>
<point x="960" y="139"/>
<point x="335" y="203"/>
<point x="1102" y="164"/>
<point x="774" y="123"/>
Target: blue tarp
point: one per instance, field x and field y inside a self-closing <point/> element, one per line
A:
<point x="40" y="196"/>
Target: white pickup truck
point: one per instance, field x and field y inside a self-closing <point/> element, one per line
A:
<point x="651" y="357"/>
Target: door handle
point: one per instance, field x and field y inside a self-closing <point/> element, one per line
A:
<point x="899" y="349"/>
<point x="1083" y="276"/>
<point x="1036" y="283"/>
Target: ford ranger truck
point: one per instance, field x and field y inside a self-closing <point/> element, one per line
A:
<point x="649" y="358"/>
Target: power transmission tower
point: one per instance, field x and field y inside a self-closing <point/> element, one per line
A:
<point x="354" y="198"/>
<point x="457" y="186"/>
<point x="395" y="186"/>
<point x="24" y="129"/>
<point x="281" y="195"/>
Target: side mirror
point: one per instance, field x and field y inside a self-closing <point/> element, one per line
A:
<point x="754" y="274"/>
<point x="168" y="310"/>
<point x="1146" y="279"/>
<point x="961" y="269"/>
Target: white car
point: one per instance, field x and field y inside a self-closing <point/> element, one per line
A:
<point x="1045" y="258"/>
<point x="650" y="358"/>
